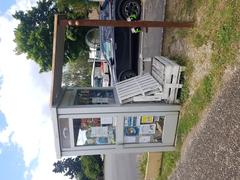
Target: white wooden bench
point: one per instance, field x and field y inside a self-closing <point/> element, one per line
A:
<point x="163" y="84"/>
<point x="168" y="74"/>
<point x="138" y="88"/>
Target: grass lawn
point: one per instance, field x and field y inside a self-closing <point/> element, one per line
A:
<point x="218" y="22"/>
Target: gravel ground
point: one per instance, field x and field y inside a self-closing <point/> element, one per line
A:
<point x="212" y="150"/>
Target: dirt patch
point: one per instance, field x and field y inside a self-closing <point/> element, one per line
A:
<point x="200" y="57"/>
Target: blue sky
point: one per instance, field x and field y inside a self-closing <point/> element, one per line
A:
<point x="26" y="136"/>
<point x="5" y="5"/>
<point x="11" y="155"/>
<point x="11" y="158"/>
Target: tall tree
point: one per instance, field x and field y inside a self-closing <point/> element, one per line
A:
<point x="34" y="34"/>
<point x="84" y="168"/>
<point x="70" y="167"/>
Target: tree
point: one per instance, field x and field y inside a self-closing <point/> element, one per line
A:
<point x="78" y="73"/>
<point x="34" y="34"/>
<point x="70" y="166"/>
<point x="92" y="166"/>
<point x="77" y="5"/>
<point x="84" y="168"/>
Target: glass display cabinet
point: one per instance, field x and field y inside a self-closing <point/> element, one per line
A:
<point x="91" y="121"/>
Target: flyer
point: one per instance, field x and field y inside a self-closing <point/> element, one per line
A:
<point x="131" y="131"/>
<point x="147" y="129"/>
<point x="147" y="119"/>
<point x="131" y="121"/>
<point x="106" y="120"/>
<point x="99" y="131"/>
<point x="129" y="139"/>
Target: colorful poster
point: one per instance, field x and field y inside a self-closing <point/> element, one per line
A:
<point x="102" y="140"/>
<point x="131" y="121"/>
<point x="147" y="119"/>
<point x="131" y="131"/>
<point x="147" y="129"/>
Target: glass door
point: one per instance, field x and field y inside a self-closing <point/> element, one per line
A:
<point x="101" y="133"/>
<point x="143" y="129"/>
<point x="94" y="131"/>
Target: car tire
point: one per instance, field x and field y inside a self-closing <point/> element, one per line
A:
<point x="126" y="75"/>
<point x="129" y="7"/>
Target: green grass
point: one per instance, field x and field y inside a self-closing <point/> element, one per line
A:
<point x="142" y="164"/>
<point x="199" y="40"/>
<point x="220" y="25"/>
<point x="184" y="61"/>
<point x="181" y="33"/>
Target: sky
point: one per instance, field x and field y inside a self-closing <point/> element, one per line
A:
<point x="27" y="149"/>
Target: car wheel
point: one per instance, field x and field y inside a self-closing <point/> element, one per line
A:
<point x="126" y="8"/>
<point x="126" y="75"/>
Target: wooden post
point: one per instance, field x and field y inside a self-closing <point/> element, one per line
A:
<point x="122" y="23"/>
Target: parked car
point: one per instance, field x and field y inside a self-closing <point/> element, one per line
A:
<point x="120" y="46"/>
<point x="100" y="76"/>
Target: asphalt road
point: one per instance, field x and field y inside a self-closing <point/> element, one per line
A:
<point x="121" y="167"/>
<point x="213" y="150"/>
<point x="151" y="41"/>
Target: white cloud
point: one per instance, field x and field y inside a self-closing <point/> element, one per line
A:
<point x="24" y="98"/>
<point x="21" y="5"/>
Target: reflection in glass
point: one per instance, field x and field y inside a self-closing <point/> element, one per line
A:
<point x="94" y="96"/>
<point x="143" y="129"/>
<point x="92" y="131"/>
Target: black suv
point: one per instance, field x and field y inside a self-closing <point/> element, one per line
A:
<point x="119" y="45"/>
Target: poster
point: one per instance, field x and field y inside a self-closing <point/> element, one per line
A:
<point x="132" y="121"/>
<point x="106" y="120"/>
<point x="147" y="129"/>
<point x="147" y="119"/>
<point x="131" y="131"/>
<point x="99" y="131"/>
<point x="129" y="139"/>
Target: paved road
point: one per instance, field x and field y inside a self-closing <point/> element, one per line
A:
<point x="151" y="41"/>
<point x="213" y="151"/>
<point x="121" y="167"/>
